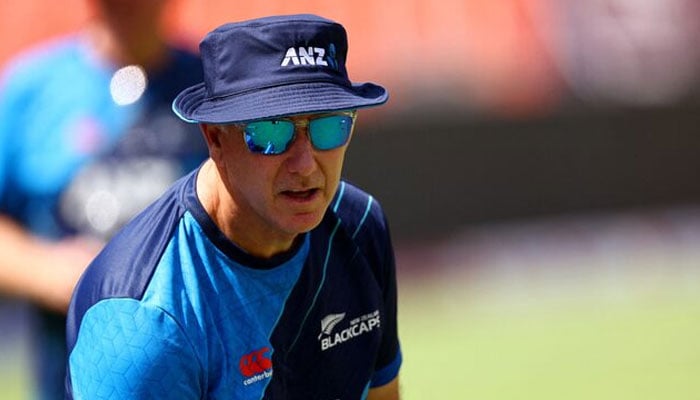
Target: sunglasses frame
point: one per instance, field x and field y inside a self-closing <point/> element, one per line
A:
<point x="300" y="123"/>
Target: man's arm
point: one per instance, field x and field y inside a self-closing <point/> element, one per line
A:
<point x="390" y="391"/>
<point x="38" y="270"/>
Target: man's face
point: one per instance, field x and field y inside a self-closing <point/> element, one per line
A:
<point x="279" y="195"/>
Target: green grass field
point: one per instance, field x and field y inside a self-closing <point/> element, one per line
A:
<point x="644" y="346"/>
<point x="14" y="380"/>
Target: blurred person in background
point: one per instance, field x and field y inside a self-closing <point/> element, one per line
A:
<point x="87" y="139"/>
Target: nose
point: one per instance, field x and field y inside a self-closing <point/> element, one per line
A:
<point x="301" y="158"/>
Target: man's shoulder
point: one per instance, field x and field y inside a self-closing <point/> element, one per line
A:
<point x="126" y="266"/>
<point x="41" y="60"/>
<point x="130" y="256"/>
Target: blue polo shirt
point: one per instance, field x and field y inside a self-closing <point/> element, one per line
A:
<point x="172" y="307"/>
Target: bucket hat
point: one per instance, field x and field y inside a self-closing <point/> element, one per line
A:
<point x="271" y="67"/>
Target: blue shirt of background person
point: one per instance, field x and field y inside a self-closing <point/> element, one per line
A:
<point x="87" y="139"/>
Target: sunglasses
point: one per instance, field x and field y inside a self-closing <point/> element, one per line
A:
<point x="274" y="136"/>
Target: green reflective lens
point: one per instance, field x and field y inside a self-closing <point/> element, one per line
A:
<point x="269" y="137"/>
<point x="330" y="132"/>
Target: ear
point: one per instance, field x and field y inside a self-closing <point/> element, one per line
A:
<point x="212" y="136"/>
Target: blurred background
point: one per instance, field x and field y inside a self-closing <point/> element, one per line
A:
<point x="539" y="164"/>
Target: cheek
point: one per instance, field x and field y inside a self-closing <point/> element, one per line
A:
<point x="246" y="174"/>
<point x="251" y="177"/>
<point x="338" y="160"/>
<point x="332" y="165"/>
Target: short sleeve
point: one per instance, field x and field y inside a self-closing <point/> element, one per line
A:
<point x="128" y="350"/>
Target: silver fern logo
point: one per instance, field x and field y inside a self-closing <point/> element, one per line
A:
<point x="329" y="322"/>
<point x="353" y="328"/>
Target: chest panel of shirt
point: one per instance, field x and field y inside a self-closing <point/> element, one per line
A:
<point x="327" y="339"/>
<point x="226" y="310"/>
<point x="67" y="122"/>
<point x="250" y="328"/>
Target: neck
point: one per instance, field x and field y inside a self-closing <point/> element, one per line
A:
<point x="233" y="221"/>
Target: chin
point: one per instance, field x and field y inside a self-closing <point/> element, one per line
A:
<point x="302" y="223"/>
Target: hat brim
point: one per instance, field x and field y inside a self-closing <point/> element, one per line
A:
<point x="192" y="104"/>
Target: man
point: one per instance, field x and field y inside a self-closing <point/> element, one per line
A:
<point x="87" y="139"/>
<point x="261" y="274"/>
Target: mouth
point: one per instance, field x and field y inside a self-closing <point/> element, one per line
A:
<point x="301" y="195"/>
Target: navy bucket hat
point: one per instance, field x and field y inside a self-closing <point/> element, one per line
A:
<point x="272" y="67"/>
